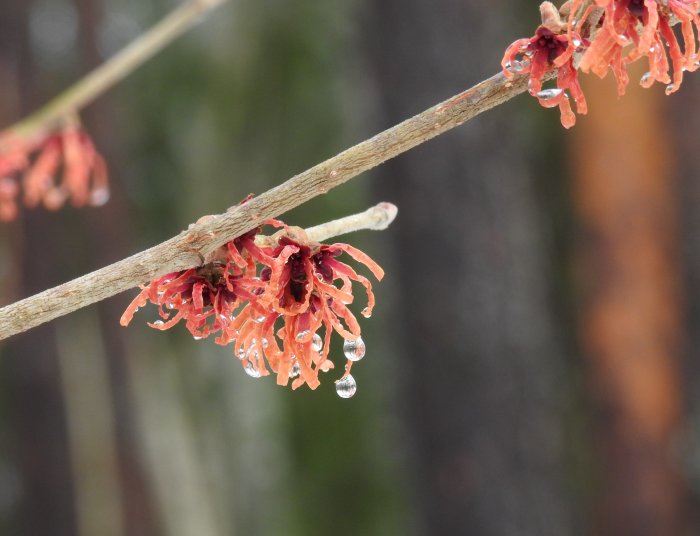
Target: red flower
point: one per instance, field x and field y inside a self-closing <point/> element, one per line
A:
<point x="541" y="53"/>
<point x="69" y="153"/>
<point x="206" y="298"/>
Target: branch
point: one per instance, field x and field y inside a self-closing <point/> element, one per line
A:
<point x="117" y="68"/>
<point x="93" y="287"/>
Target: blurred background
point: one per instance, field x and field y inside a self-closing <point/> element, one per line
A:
<point x="532" y="364"/>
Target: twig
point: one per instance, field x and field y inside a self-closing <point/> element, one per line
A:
<point x="96" y="286"/>
<point x="118" y="67"/>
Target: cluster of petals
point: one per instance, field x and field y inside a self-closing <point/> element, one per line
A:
<point x="538" y="55"/>
<point x="50" y="170"/>
<point x="277" y="301"/>
<point x="602" y="36"/>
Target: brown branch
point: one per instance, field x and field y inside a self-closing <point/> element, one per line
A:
<point x="190" y="247"/>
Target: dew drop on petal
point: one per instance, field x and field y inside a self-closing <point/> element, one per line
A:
<point x="549" y="94"/>
<point x="645" y="78"/>
<point x="295" y="370"/>
<point x="670" y="89"/>
<point x="170" y="305"/>
<point x="302" y="335"/>
<point x="259" y="319"/>
<point x="158" y="323"/>
<point x="265" y="342"/>
<point x="317" y="342"/>
<point x="346" y="387"/>
<point x="197" y="337"/>
<point x="354" y="350"/>
<point x="251" y="371"/>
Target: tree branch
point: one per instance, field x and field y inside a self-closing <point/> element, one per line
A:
<point x="190" y="247"/>
<point x="95" y="286"/>
<point x="115" y="69"/>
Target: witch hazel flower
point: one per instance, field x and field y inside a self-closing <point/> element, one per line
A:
<point x="628" y="30"/>
<point x="50" y="170"/>
<point x="552" y="47"/>
<point x="277" y="300"/>
<point x="301" y="291"/>
<point x="205" y="298"/>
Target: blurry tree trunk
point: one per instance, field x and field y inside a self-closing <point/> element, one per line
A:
<point x="479" y="355"/>
<point x="630" y="311"/>
<point x="109" y="238"/>
<point x="29" y="361"/>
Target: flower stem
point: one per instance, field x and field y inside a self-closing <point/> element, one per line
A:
<point x="115" y="69"/>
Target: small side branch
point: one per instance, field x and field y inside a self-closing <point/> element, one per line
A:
<point x="115" y="69"/>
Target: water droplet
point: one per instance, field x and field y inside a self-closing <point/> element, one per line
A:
<point x="259" y="319"/>
<point x="302" y="334"/>
<point x="652" y="49"/>
<point x="516" y="66"/>
<point x="158" y="323"/>
<point x="170" y="305"/>
<point x="197" y="337"/>
<point x="670" y="89"/>
<point x="549" y="94"/>
<point x="624" y="39"/>
<point x="576" y="42"/>
<point x="232" y="317"/>
<point x="645" y="78"/>
<point x="241" y="353"/>
<point x="295" y="370"/>
<point x="99" y="197"/>
<point x="265" y="342"/>
<point x="354" y="350"/>
<point x="251" y="371"/>
<point x="317" y="342"/>
<point x="346" y="387"/>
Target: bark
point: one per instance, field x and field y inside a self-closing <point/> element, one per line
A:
<point x="479" y="353"/>
<point x="630" y="319"/>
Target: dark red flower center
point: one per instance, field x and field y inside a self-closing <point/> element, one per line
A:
<point x="549" y="43"/>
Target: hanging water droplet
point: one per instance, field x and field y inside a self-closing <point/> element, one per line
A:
<point x="197" y="337"/>
<point x="241" y="353"/>
<point x="346" y="387"/>
<point x="232" y="317"/>
<point x="99" y="197"/>
<point x="516" y="66"/>
<point x="549" y="94"/>
<point x="302" y="334"/>
<point x="317" y="342"/>
<point x="158" y="323"/>
<point x="670" y="89"/>
<point x="645" y="78"/>
<point x="354" y="350"/>
<point x="295" y="370"/>
<point x="251" y="371"/>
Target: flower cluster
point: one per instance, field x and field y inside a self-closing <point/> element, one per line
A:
<point x="51" y="169"/>
<point x="603" y="35"/>
<point x="271" y="299"/>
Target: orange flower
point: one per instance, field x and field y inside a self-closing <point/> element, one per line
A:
<point x="66" y="166"/>
<point x="633" y="29"/>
